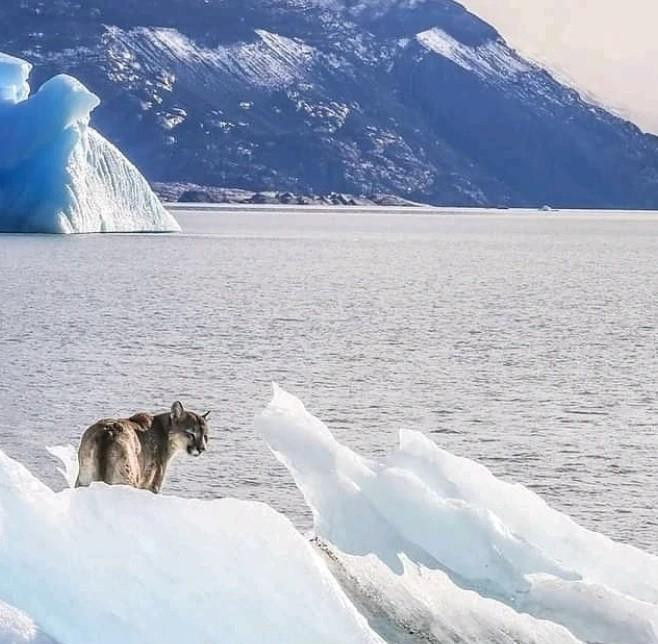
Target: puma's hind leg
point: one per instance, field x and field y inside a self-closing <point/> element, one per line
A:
<point x="89" y="456"/>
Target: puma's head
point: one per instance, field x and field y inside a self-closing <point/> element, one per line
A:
<point x="187" y="430"/>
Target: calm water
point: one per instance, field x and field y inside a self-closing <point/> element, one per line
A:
<point x="526" y="341"/>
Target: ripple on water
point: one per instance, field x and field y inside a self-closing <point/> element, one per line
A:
<point x="527" y="343"/>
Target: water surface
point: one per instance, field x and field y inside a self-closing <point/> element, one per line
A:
<point x="527" y="341"/>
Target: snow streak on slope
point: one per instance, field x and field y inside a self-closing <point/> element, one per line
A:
<point x="423" y="524"/>
<point x="270" y="61"/>
<point x="490" y="59"/>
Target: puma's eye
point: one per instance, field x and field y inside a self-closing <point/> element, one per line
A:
<point x="189" y="434"/>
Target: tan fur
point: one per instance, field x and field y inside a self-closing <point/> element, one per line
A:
<point x="136" y="451"/>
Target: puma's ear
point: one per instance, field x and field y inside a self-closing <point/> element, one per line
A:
<point x="177" y="411"/>
<point x="206" y="415"/>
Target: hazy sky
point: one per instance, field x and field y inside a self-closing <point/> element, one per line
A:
<point x="606" y="48"/>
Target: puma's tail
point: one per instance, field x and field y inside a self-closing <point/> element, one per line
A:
<point x="92" y="455"/>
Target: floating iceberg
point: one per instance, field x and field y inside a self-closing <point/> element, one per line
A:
<point x="119" y="565"/>
<point x="57" y="174"/>
<point x="420" y="548"/>
<point x="438" y="544"/>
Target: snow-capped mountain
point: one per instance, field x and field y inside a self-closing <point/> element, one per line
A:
<point x="413" y="97"/>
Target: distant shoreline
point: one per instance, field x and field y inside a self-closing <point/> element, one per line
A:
<point x="369" y="209"/>
<point x="191" y="197"/>
<point x="192" y="193"/>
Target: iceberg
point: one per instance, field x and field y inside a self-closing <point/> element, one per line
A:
<point x="437" y="543"/>
<point x="420" y="547"/>
<point x="115" y="564"/>
<point x="57" y="174"/>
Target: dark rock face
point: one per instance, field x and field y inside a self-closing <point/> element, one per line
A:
<point x="194" y="196"/>
<point x="422" y="100"/>
<point x="189" y="193"/>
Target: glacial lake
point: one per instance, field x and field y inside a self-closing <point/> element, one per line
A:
<point x="527" y="341"/>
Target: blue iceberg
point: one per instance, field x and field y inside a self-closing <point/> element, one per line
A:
<point x="57" y="174"/>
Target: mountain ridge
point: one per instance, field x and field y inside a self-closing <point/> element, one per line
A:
<point x="419" y="99"/>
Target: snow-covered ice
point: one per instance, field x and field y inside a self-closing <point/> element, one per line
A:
<point x="18" y="628"/>
<point x="109" y="565"/>
<point x="57" y="174"/>
<point x="422" y="546"/>
<point x="439" y="537"/>
<point x="68" y="456"/>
